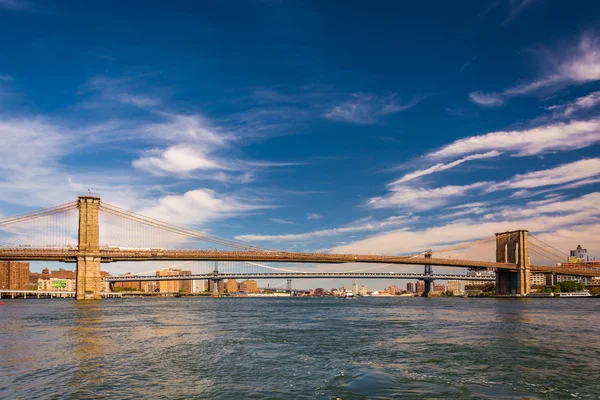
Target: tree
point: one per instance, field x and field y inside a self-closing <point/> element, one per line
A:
<point x="570" y="286"/>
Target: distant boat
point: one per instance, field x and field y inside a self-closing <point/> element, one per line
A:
<point x="349" y="294"/>
<point x="584" y="293"/>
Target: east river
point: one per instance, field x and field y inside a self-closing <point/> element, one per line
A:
<point x="295" y="348"/>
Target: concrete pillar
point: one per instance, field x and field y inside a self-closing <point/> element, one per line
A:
<point x="427" y="290"/>
<point x="89" y="279"/>
<point x="513" y="248"/>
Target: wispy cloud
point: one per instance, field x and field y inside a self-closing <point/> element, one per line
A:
<point x="539" y="140"/>
<point x="586" y="102"/>
<point x="6" y="78"/>
<point x="442" y="167"/>
<point x="281" y="221"/>
<point x="564" y="66"/>
<point x="314" y="216"/>
<point x="421" y="199"/>
<point x="466" y="65"/>
<point x="366" y="108"/>
<point x="387" y="223"/>
<point x="517" y="7"/>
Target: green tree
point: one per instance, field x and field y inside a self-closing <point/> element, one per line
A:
<point x="570" y="286"/>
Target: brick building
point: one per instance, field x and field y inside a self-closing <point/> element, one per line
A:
<point x="14" y="275"/>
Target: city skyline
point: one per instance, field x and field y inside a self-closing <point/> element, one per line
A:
<point x="301" y="132"/>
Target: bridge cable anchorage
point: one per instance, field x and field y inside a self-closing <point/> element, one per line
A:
<point x="165" y="226"/>
<point x="555" y="250"/>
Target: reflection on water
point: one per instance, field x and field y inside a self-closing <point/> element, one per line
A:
<point x="383" y="348"/>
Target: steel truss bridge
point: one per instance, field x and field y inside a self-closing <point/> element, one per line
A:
<point x="72" y="232"/>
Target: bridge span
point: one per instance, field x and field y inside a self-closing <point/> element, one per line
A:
<point x="294" y="275"/>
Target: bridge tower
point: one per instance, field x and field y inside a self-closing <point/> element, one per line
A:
<point x="512" y="247"/>
<point x="428" y="281"/>
<point x="89" y="279"/>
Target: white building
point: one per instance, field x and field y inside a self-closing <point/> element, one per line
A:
<point x="57" y="285"/>
<point x="537" y="279"/>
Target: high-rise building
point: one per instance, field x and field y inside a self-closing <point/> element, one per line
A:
<point x="363" y="290"/>
<point x="410" y="287"/>
<point x="14" y="275"/>
<point x="250" y="286"/>
<point x="199" y="286"/>
<point x="454" y="287"/>
<point x="185" y="286"/>
<point x="168" y="286"/>
<point x="420" y="286"/>
<point x="355" y="288"/>
<point x="581" y="255"/>
<point x="231" y="286"/>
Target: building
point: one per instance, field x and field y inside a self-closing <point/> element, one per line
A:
<point x="63" y="274"/>
<point x="185" y="286"/>
<point x="537" y="279"/>
<point x="580" y="255"/>
<point x="319" y="292"/>
<point x="57" y="285"/>
<point x="199" y="286"/>
<point x="248" y="286"/>
<point x="438" y="288"/>
<point x="420" y="286"/>
<point x="410" y="287"/>
<point x="14" y="275"/>
<point x="220" y="286"/>
<point x="231" y="286"/>
<point x="479" y="274"/>
<point x="363" y="290"/>
<point x="168" y="286"/>
<point x="355" y="288"/>
<point x="454" y="286"/>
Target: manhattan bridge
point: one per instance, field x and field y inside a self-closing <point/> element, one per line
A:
<point x="89" y="232"/>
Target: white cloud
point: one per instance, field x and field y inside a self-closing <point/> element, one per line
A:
<point x="581" y="103"/>
<point x="199" y="206"/>
<point x="571" y="66"/>
<point x="441" y="167"/>
<point x="355" y="228"/>
<point x="486" y="99"/>
<point x="565" y="173"/>
<point x="179" y="159"/>
<point x="314" y="216"/>
<point x="366" y="108"/>
<point x="421" y="199"/>
<point x="547" y="138"/>
<point x="281" y="221"/>
<point x="549" y="218"/>
<point x="5" y="77"/>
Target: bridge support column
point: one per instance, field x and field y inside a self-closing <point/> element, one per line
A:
<point x="215" y="286"/>
<point x="428" y="282"/>
<point x="89" y="279"/>
<point x="512" y="248"/>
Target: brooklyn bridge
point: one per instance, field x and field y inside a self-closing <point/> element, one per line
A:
<point x="73" y="233"/>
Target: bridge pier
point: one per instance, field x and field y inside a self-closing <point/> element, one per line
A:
<point x="428" y="282"/>
<point x="512" y="247"/>
<point x="89" y="279"/>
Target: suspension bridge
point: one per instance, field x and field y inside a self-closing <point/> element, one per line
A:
<point x="71" y="233"/>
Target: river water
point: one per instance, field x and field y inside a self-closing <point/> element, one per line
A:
<point x="298" y="348"/>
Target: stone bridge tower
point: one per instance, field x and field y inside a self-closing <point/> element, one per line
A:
<point x="512" y="248"/>
<point x="89" y="279"/>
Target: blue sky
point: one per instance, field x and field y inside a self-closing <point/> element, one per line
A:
<point x="370" y="127"/>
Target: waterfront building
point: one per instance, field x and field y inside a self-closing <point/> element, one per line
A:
<point x="185" y="286"/>
<point x="420" y="286"/>
<point x="199" y="286"/>
<point x="454" y="286"/>
<point x="168" y="286"/>
<point x="250" y="286"/>
<point x="482" y="274"/>
<point x="537" y="279"/>
<point x="355" y="288"/>
<point x="410" y="287"/>
<point x="363" y="290"/>
<point x="562" y="278"/>
<point x="231" y="286"/>
<point x="580" y="255"/>
<point x="14" y="275"/>
<point x="57" y="285"/>
<point x="319" y="292"/>
<point x="63" y="274"/>
<point x="438" y="288"/>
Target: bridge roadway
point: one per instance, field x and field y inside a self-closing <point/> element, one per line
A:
<point x="116" y="254"/>
<point x="295" y="275"/>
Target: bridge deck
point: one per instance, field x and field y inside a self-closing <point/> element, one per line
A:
<point x="114" y="255"/>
